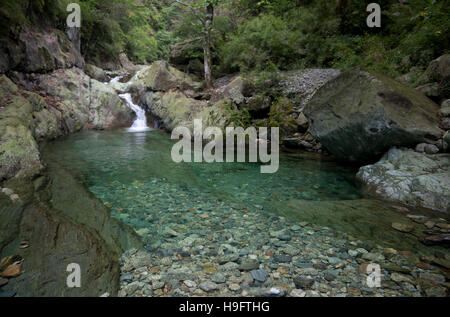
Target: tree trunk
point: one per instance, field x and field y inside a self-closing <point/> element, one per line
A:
<point x="341" y="6"/>
<point x="207" y="45"/>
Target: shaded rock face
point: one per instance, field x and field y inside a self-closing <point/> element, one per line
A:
<point x="39" y="51"/>
<point x="358" y="116"/>
<point x="409" y="177"/>
<point x="59" y="233"/>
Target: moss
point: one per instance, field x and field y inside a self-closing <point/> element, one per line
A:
<point x="280" y="115"/>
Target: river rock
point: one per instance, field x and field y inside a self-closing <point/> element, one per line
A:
<point x="259" y="275"/>
<point x="403" y="227"/>
<point x="303" y="282"/>
<point x="249" y="265"/>
<point x="359" y="115"/>
<point x="218" y="278"/>
<point x="409" y="177"/>
<point x="95" y="72"/>
<point x="208" y="286"/>
<point x="427" y="148"/>
<point x="437" y="239"/>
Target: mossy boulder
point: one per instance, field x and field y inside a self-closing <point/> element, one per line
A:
<point x="174" y="108"/>
<point x="83" y="102"/>
<point x="360" y="115"/>
<point x="159" y="76"/>
<point x="95" y="72"/>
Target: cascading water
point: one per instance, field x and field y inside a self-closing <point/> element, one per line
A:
<point x="140" y="124"/>
<point x="115" y="79"/>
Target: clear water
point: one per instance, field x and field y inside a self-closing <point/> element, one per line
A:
<point x="133" y="174"/>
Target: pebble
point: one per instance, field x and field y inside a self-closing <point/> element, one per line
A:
<point x="282" y="258"/>
<point x="297" y="293"/>
<point x="303" y="282"/>
<point x="259" y="275"/>
<point x="218" y="278"/>
<point x="208" y="286"/>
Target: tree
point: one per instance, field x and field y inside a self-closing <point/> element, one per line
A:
<point x="203" y="10"/>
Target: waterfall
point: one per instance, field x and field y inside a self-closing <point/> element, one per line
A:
<point x="115" y="79"/>
<point x="140" y="124"/>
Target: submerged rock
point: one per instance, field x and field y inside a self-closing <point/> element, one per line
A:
<point x="409" y="177"/>
<point x="358" y="116"/>
<point x="403" y="227"/>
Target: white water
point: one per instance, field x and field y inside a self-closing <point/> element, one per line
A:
<point x="115" y="79"/>
<point x="140" y="124"/>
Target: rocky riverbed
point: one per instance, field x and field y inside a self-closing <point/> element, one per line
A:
<point x="217" y="249"/>
<point x="198" y="246"/>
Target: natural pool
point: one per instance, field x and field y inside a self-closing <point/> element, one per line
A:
<point x="133" y="174"/>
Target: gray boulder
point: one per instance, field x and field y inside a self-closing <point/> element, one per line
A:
<point x="409" y="177"/>
<point x="360" y="115"/>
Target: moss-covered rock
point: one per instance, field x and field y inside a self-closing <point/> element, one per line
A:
<point x="83" y="102"/>
<point x="19" y="154"/>
<point x="358" y="116"/>
<point x="159" y="76"/>
<point x="174" y="108"/>
<point x="95" y="72"/>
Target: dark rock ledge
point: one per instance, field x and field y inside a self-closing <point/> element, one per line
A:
<point x="60" y="222"/>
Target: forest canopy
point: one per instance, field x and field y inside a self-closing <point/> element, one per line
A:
<point x="249" y="35"/>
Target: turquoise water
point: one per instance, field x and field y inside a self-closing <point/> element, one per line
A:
<point x="105" y="158"/>
<point x="133" y="174"/>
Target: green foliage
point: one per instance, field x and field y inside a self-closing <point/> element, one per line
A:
<point x="261" y="43"/>
<point x="237" y="117"/>
<point x="296" y="34"/>
<point x="108" y="26"/>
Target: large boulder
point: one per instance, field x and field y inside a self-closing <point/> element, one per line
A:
<point x="360" y="115"/>
<point x="159" y="76"/>
<point x="96" y="72"/>
<point x="174" y="108"/>
<point x="436" y="71"/>
<point x="63" y="223"/>
<point x="64" y="101"/>
<point x="39" y="51"/>
<point x="83" y="102"/>
<point x="409" y="177"/>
